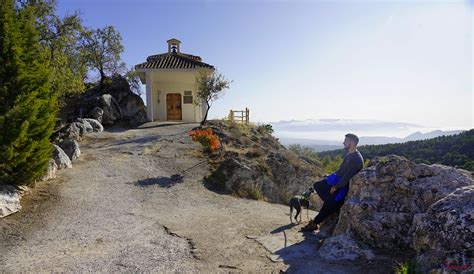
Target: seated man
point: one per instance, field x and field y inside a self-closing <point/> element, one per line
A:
<point x="333" y="189"/>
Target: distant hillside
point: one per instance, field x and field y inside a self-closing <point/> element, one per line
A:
<point x="453" y="150"/>
<point x="326" y="145"/>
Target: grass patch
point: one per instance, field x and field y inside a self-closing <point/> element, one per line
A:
<point x="405" y="268"/>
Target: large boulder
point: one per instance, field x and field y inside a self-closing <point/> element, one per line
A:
<point x="385" y="199"/>
<point x="111" y="108"/>
<point x="96" y="125"/>
<point x="9" y="200"/>
<point x="61" y="158"/>
<point x="134" y="110"/>
<point x="84" y="125"/>
<point x="446" y="230"/>
<point x="71" y="148"/>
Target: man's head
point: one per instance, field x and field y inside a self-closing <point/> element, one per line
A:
<point x="351" y="141"/>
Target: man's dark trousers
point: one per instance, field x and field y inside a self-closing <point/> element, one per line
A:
<point x="330" y="205"/>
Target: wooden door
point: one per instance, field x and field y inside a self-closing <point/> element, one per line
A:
<point x="173" y="106"/>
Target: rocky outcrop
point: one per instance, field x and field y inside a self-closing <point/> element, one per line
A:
<point x="110" y="108"/>
<point x="254" y="165"/>
<point x="71" y="148"/>
<point x="114" y="103"/>
<point x="395" y="204"/>
<point x="9" y="200"/>
<point x="60" y="158"/>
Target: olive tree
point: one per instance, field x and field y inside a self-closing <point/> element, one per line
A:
<point x="210" y="86"/>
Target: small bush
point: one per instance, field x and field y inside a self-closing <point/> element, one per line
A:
<point x="255" y="193"/>
<point x="265" y="128"/>
<point x="217" y="180"/>
<point x="209" y="140"/>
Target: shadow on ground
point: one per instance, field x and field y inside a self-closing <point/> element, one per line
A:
<point x="165" y="182"/>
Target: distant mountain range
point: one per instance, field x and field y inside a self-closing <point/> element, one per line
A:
<point x="328" y="134"/>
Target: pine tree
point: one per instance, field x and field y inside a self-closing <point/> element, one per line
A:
<point x="28" y="107"/>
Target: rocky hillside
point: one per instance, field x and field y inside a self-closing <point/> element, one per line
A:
<point x="253" y="164"/>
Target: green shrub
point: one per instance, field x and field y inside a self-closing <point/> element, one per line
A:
<point x="28" y="107"/>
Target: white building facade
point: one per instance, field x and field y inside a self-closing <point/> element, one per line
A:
<point x="171" y="88"/>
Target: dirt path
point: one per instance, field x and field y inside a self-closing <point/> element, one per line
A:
<point x="118" y="209"/>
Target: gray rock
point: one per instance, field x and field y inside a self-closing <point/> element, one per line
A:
<point x="61" y="158"/>
<point x="9" y="200"/>
<point x="96" y="125"/>
<point x="71" y="148"/>
<point x="446" y="230"/>
<point x="73" y="131"/>
<point x="96" y="113"/>
<point x="133" y="109"/>
<point x="394" y="197"/>
<point x="50" y="171"/>
<point x="111" y="109"/>
<point x="85" y="126"/>
<point x="343" y="247"/>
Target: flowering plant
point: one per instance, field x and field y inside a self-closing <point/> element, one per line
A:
<point x="209" y="140"/>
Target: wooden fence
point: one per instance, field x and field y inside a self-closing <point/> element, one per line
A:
<point x="241" y="116"/>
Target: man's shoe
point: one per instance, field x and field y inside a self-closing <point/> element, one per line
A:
<point x="311" y="226"/>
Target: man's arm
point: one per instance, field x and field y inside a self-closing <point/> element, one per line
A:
<point x="353" y="167"/>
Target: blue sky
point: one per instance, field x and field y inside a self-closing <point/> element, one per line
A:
<point x="399" y="61"/>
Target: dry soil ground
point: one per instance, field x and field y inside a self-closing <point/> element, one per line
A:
<point x="119" y="209"/>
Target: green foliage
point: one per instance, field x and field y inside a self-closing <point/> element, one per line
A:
<point x="265" y="128"/>
<point x="62" y="38"/>
<point x="27" y="103"/>
<point x="102" y="51"/>
<point x="453" y="150"/>
<point x="210" y="86"/>
<point x="405" y="268"/>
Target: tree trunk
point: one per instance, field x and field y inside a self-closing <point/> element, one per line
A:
<point x="205" y="116"/>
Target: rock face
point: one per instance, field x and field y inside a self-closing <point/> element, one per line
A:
<point x="111" y="109"/>
<point x="9" y="200"/>
<point x="133" y="109"/>
<point x="71" y="148"/>
<point x="446" y="230"/>
<point x="60" y="158"/>
<point x="395" y="204"/>
<point x="115" y="103"/>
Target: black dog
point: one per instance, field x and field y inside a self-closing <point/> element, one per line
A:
<point x="297" y="202"/>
